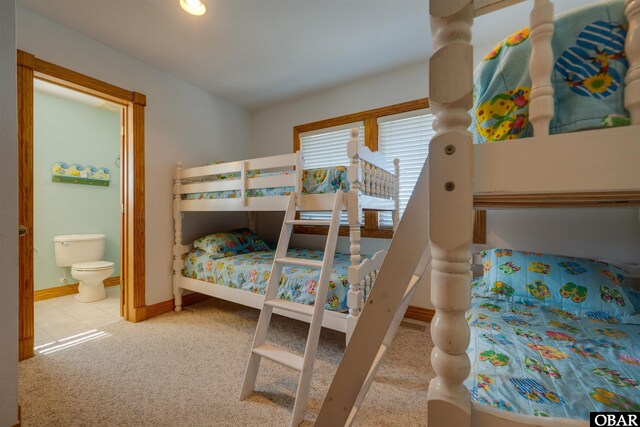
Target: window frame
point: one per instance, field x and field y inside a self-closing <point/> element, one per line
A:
<point x="369" y="118"/>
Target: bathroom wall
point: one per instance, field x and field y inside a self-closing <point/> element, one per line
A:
<point x="69" y="131"/>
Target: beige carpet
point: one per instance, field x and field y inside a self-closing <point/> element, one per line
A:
<point x="186" y="370"/>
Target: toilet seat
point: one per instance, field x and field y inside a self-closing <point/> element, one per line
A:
<point x="92" y="266"/>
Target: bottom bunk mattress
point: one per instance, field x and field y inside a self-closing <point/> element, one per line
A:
<point x="547" y="362"/>
<point x="250" y="272"/>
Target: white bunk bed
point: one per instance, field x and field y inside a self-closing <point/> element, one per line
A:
<point x="373" y="185"/>
<point x="606" y="173"/>
<point x="459" y="177"/>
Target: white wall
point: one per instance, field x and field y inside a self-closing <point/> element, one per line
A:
<point x="8" y="218"/>
<point x="183" y="122"/>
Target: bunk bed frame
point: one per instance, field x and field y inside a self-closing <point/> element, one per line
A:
<point x="606" y="173"/>
<point x="374" y="185"/>
<point x="460" y="177"/>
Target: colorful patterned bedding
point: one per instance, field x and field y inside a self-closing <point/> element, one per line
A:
<point x="315" y="181"/>
<point x="250" y="272"/>
<point x="589" y="69"/>
<point x="550" y="363"/>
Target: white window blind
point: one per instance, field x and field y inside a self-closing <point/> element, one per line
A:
<point x="325" y="149"/>
<point x="407" y="139"/>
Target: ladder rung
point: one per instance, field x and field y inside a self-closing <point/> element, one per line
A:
<point x="280" y="356"/>
<point x="308" y="222"/>
<point x="300" y="261"/>
<point x="294" y="307"/>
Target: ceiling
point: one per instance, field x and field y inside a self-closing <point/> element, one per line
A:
<point x="257" y="53"/>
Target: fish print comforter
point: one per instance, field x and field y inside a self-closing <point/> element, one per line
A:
<point x="551" y="363"/>
<point x="250" y="272"/>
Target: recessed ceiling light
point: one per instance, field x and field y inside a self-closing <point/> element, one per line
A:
<point x="194" y="7"/>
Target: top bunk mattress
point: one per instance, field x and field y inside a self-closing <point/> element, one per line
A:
<point x="315" y="181"/>
<point x="588" y="77"/>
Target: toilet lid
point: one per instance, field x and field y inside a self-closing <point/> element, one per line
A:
<point x="92" y="266"/>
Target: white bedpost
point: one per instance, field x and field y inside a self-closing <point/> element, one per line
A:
<point x="355" y="296"/>
<point x="632" y="49"/>
<point x="299" y="174"/>
<point x="450" y="207"/>
<point x="178" y="251"/>
<point x="540" y="67"/>
<point x="396" y="194"/>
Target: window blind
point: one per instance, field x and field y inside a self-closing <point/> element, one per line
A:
<point x="325" y="149"/>
<point x="407" y="139"/>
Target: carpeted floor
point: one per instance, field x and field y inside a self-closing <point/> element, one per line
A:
<point x="186" y="370"/>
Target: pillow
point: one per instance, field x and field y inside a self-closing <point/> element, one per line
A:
<point x="575" y="285"/>
<point x="230" y="243"/>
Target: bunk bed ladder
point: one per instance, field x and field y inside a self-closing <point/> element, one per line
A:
<point x="406" y="262"/>
<point x="260" y="347"/>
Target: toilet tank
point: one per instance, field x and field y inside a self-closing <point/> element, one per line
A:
<point x="74" y="248"/>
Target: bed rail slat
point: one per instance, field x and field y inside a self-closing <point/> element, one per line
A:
<point x="632" y="49"/>
<point x="540" y="67"/>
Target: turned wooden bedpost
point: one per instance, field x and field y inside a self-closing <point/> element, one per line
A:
<point x="450" y="206"/>
<point x="355" y="296"/>
<point x="178" y="262"/>
<point x="632" y="49"/>
<point x="396" y="194"/>
<point x="541" y="104"/>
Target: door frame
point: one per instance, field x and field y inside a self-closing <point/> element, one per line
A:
<point x="132" y="244"/>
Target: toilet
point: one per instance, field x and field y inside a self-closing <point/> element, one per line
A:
<point x="83" y="253"/>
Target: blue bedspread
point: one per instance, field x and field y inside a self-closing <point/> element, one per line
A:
<point x="547" y="362"/>
<point x="314" y="181"/>
<point x="250" y="272"/>
<point x="587" y="78"/>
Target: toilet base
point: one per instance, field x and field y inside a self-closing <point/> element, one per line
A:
<point x="90" y="292"/>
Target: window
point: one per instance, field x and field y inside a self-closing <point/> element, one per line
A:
<point x="326" y="148"/>
<point x="399" y="131"/>
<point x="405" y="137"/>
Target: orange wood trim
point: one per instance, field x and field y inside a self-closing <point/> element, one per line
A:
<point x="168" y="305"/>
<point x="296" y="140"/>
<point x="558" y="200"/>
<point x="26" y="60"/>
<point x="154" y="310"/>
<point x="70" y="289"/>
<point x="344" y="231"/>
<point x="480" y="227"/>
<point x="136" y="206"/>
<point x="138" y="314"/>
<point x="25" y="348"/>
<point x="25" y="200"/>
<point x="417" y="104"/>
<point x="419" y="313"/>
<point x="371" y="141"/>
<point x="81" y="82"/>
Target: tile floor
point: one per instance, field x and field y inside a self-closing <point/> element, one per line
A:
<point x="63" y="317"/>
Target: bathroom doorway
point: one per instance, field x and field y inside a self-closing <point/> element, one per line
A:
<point x="127" y="234"/>
<point x="76" y="221"/>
